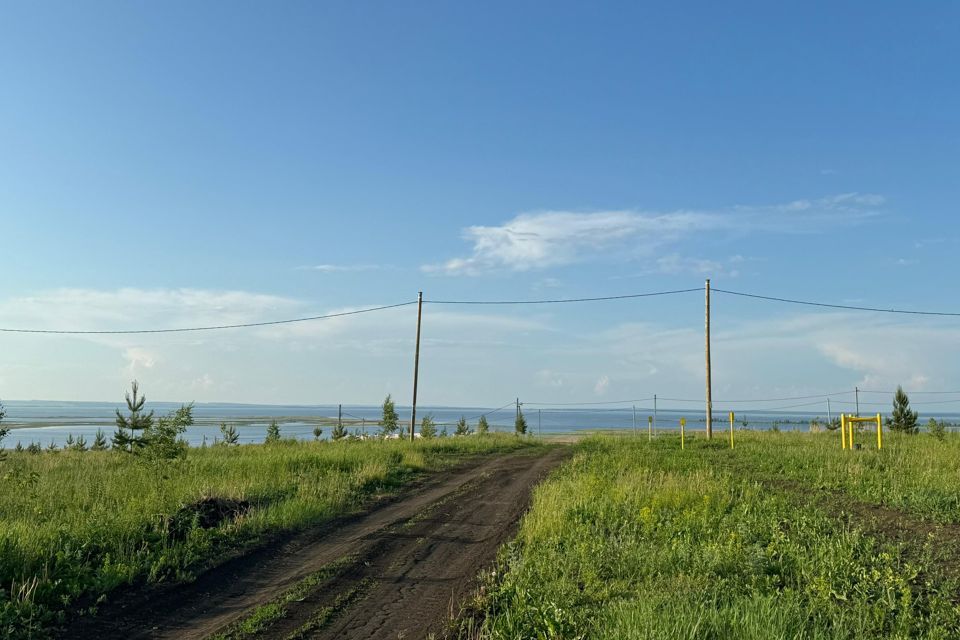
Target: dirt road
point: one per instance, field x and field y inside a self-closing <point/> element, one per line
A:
<point x="397" y="571"/>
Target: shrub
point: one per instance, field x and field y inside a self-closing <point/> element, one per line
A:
<point x="317" y="433"/>
<point x="937" y="429"/>
<point x="162" y="439"/>
<point x="428" y="428"/>
<point x="463" y="429"/>
<point x="339" y="432"/>
<point x="389" y="421"/>
<point x="482" y="426"/>
<point x="229" y="433"/>
<point x="273" y="433"/>
<point x="520" y="425"/>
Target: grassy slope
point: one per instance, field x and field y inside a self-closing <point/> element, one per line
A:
<point x="80" y="524"/>
<point x="638" y="540"/>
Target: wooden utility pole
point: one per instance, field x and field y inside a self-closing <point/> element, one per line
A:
<point x="339" y="416"/>
<point x="709" y="390"/>
<point x="857" y="391"/>
<point x="416" y="365"/>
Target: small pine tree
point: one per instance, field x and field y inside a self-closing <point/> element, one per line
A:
<point x="482" y="426"/>
<point x="273" y="433"/>
<point x="131" y="429"/>
<point x="68" y="444"/>
<point x="52" y="447"/>
<point x="339" y="431"/>
<point x="428" y="429"/>
<point x="19" y="447"/>
<point x="99" y="441"/>
<point x="3" y="433"/>
<point x="937" y="429"/>
<point x="463" y="429"/>
<point x="834" y="424"/>
<point x="443" y="432"/>
<point x="80" y="445"/>
<point x="317" y="433"/>
<point x="903" y="419"/>
<point x="520" y="425"/>
<point x="389" y="421"/>
<point x="34" y="447"/>
<point x="229" y="433"/>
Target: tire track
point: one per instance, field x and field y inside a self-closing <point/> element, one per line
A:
<point x="415" y="555"/>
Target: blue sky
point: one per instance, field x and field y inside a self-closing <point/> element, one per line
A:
<point x="165" y="165"/>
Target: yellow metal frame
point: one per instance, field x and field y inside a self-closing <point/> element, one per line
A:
<point x="846" y="429"/>
<point x="683" y="424"/>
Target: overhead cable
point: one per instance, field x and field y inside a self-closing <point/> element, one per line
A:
<point x="836" y="306"/>
<point x="212" y="327"/>
<point x="564" y="300"/>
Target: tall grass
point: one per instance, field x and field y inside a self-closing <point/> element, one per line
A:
<point x="632" y="539"/>
<point x="916" y="473"/>
<point x="77" y="525"/>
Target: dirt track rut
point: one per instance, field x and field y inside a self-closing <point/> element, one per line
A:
<point x="402" y="568"/>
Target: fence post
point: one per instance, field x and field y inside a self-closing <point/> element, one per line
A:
<point x="879" y="433"/>
<point x="843" y="431"/>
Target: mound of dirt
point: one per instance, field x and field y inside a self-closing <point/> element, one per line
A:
<point x="204" y="514"/>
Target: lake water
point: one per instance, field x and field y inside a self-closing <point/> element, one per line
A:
<point x="43" y="421"/>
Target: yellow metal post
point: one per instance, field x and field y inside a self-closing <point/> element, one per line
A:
<point x="879" y="433"/>
<point x="843" y="431"/>
<point x="731" y="429"/>
<point x="850" y="429"/>
<point x="683" y="423"/>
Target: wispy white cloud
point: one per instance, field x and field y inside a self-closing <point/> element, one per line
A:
<point x="341" y="268"/>
<point x="603" y="383"/>
<point x="544" y="239"/>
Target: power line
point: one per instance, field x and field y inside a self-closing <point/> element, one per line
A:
<point x="912" y="392"/>
<point x="564" y="300"/>
<point x="482" y="415"/>
<point x="836" y="306"/>
<point x="212" y="327"/>
<point x="819" y="395"/>
<point x="575" y="404"/>
<point x="793" y="406"/>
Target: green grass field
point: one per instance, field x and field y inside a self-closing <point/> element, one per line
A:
<point x="786" y="536"/>
<point x="77" y="525"/>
